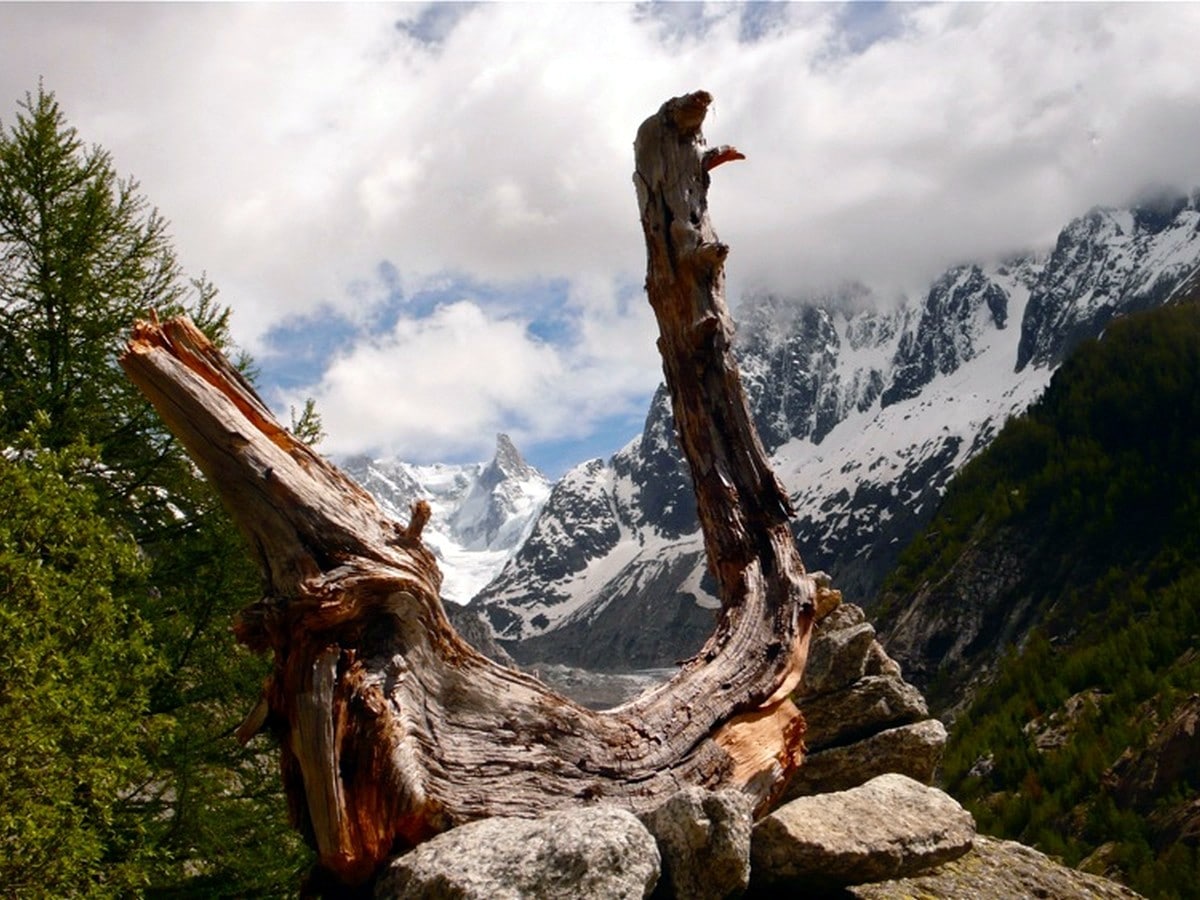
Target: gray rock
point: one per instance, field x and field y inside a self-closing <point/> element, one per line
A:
<point x="879" y="663"/>
<point x="594" y="851"/>
<point x="844" y="615"/>
<point x="836" y="658"/>
<point x="890" y="827"/>
<point x="704" y="839"/>
<point x="914" y="750"/>
<point x="996" y="868"/>
<point x="867" y="706"/>
<point x="472" y="629"/>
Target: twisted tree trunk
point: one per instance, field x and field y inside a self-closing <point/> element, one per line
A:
<point x="391" y="727"/>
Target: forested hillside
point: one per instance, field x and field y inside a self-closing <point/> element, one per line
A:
<point x="119" y="572"/>
<point x="1053" y="606"/>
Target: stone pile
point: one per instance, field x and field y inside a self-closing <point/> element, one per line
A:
<point x="863" y="718"/>
<point x="858" y="818"/>
<point x="698" y="845"/>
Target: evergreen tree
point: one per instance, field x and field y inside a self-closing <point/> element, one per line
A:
<point x="82" y="255"/>
<point x="77" y="665"/>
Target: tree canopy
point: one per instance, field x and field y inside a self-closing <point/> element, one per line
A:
<point x="119" y="570"/>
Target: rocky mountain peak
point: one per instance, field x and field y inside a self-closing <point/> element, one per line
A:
<point x="1108" y="263"/>
<point x="867" y="405"/>
<point x="482" y="512"/>
<point x="959" y="308"/>
<point x="507" y="464"/>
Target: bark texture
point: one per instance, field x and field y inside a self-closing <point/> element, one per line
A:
<point x="392" y="728"/>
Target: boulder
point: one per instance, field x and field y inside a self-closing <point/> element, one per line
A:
<point x="995" y="868"/>
<point x="879" y="663"/>
<point x="914" y="750"/>
<point x="869" y="705"/>
<point x="704" y="840"/>
<point x="593" y="851"/>
<point x="890" y="827"/>
<point x="836" y="616"/>
<point x="836" y="657"/>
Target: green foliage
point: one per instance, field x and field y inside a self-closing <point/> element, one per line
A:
<point x="181" y="807"/>
<point x="307" y="424"/>
<point x="78" y="665"/>
<point x="1102" y="480"/>
<point x="81" y="257"/>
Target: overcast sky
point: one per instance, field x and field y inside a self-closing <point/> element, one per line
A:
<point x="423" y="217"/>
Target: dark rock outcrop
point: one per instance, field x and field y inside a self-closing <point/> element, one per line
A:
<point x="1140" y="779"/>
<point x="1145" y="781"/>
<point x="954" y="630"/>
<point x="952" y="319"/>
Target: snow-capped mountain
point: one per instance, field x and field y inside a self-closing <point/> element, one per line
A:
<point x="482" y="512"/>
<point x="867" y="405"/>
<point x="1109" y="262"/>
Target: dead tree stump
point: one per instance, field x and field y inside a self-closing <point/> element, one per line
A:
<point x="392" y="728"/>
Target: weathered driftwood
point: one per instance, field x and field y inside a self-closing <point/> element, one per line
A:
<point x="391" y="727"/>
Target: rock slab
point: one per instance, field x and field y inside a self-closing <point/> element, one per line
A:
<point x="914" y="750"/>
<point x="866" y="707"/>
<point x="596" y="851"/>
<point x="890" y="827"/>
<point x="997" y="868"/>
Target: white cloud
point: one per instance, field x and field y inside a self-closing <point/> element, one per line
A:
<point x="295" y="147"/>
<point x="443" y="385"/>
<point x="438" y="380"/>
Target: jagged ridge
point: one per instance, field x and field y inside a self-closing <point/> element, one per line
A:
<point x="867" y="406"/>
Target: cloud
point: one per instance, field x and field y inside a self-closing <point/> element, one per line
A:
<point x="299" y="148"/>
<point x="488" y="368"/>
<point x="440" y="385"/>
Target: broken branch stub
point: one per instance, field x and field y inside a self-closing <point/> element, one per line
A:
<point x="391" y="727"/>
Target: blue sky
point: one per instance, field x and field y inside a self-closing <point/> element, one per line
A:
<point x="422" y="214"/>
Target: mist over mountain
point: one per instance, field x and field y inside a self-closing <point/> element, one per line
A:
<point x="867" y="407"/>
<point x="867" y="404"/>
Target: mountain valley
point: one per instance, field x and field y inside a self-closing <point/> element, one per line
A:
<point x="1012" y="501"/>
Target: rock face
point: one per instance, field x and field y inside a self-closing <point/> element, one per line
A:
<point x="1107" y="263"/>
<point x="868" y="405"/>
<point x="594" y="851"/>
<point x="1170" y="757"/>
<point x="996" y="869"/>
<point x="1141" y="781"/>
<point x="957" y="627"/>
<point x="474" y="631"/>
<point x="889" y="827"/>
<point x="612" y="575"/>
